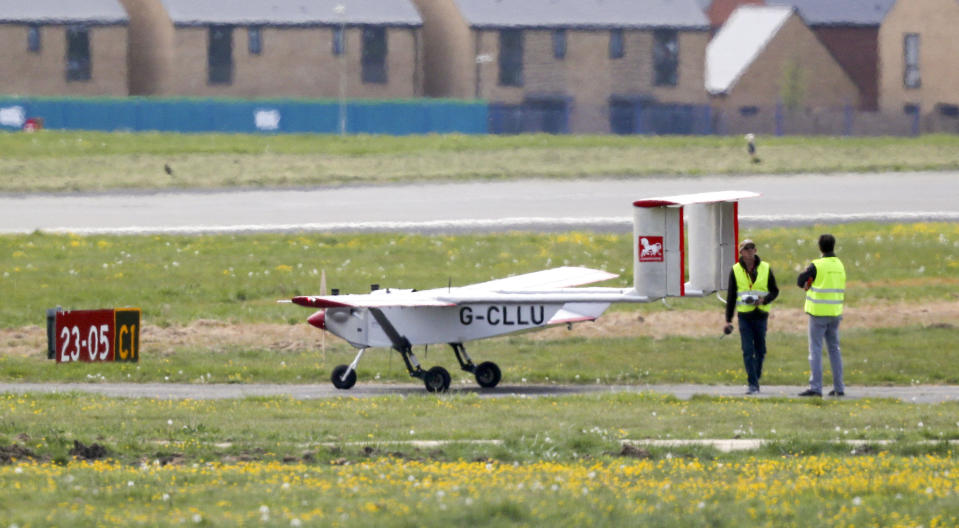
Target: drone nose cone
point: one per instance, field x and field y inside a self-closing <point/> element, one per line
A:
<point x="318" y="319"/>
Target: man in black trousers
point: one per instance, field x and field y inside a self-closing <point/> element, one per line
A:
<point x="752" y="287"/>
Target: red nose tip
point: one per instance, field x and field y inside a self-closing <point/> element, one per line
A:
<point x="318" y="319"/>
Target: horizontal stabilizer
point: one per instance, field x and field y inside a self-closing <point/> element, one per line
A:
<point x="695" y="198"/>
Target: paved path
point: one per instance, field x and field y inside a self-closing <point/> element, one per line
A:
<point x="173" y="391"/>
<point x="490" y="205"/>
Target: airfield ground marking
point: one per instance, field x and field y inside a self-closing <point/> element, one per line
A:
<point x="478" y="225"/>
<point x="722" y="445"/>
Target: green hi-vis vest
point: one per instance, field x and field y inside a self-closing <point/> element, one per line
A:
<point x="826" y="294"/>
<point x="746" y="287"/>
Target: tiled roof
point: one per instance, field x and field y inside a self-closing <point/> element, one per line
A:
<point x="584" y="13"/>
<point x="737" y="44"/>
<point x="63" y="11"/>
<point x="839" y="12"/>
<point x="293" y="12"/>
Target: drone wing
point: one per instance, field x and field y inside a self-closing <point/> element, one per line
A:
<point x="563" y="277"/>
<point x="552" y="285"/>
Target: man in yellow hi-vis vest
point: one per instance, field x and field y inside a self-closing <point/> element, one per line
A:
<point x="752" y="286"/>
<point x="825" y="284"/>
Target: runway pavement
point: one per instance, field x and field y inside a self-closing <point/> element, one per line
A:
<point x="600" y="204"/>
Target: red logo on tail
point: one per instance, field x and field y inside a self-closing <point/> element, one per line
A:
<point x="650" y="249"/>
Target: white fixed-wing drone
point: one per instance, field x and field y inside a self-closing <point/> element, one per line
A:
<point x="673" y="235"/>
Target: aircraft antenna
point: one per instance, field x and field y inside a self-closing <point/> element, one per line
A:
<point x="323" y="334"/>
<point x="449" y="285"/>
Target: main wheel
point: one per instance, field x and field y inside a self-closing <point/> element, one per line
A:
<point x="337" y="377"/>
<point x="488" y="374"/>
<point x="437" y="379"/>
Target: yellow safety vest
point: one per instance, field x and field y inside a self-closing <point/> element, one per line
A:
<point x="825" y="296"/>
<point x="745" y="286"/>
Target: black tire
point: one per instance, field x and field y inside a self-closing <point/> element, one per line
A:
<point x="437" y="379"/>
<point x="488" y="374"/>
<point x="337" y="378"/>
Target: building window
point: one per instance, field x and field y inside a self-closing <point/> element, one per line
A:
<point x="910" y="50"/>
<point x="559" y="44"/>
<point x="33" y="39"/>
<point x="665" y="57"/>
<point x="617" y="48"/>
<point x="374" y="55"/>
<point x="511" y="57"/>
<point x="339" y="42"/>
<point x="220" y="55"/>
<point x="254" y="36"/>
<point x="78" y="53"/>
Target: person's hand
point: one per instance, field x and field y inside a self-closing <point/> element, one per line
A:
<point x="728" y="329"/>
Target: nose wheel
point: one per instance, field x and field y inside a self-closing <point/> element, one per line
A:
<point x="343" y="377"/>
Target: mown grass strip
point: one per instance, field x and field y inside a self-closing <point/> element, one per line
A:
<point x="897" y="356"/>
<point x="530" y="429"/>
<point x="177" y="279"/>
<point x="69" y="161"/>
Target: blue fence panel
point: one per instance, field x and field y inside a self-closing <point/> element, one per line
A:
<point x="463" y="119"/>
<point x="674" y="119"/>
<point x="254" y="116"/>
<point x="540" y="114"/>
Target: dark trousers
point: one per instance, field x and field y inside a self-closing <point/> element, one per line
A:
<point x="752" y="333"/>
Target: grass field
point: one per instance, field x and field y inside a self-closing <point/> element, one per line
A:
<point x="71" y="161"/>
<point x="86" y="460"/>
<point x="566" y="427"/>
<point x="558" y="460"/>
<point x="177" y="279"/>
<point x="872" y="490"/>
<point x="236" y="280"/>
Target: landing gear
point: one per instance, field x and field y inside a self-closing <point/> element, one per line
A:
<point x="437" y="379"/>
<point x="343" y="377"/>
<point x="487" y="373"/>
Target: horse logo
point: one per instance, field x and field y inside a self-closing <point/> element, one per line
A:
<point x="650" y="249"/>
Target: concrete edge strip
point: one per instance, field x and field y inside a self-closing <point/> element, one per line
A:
<point x="750" y="444"/>
<point x="480" y="225"/>
<point x="722" y="445"/>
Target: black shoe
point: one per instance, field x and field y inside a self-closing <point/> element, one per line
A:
<point x="752" y="390"/>
<point x="810" y="392"/>
<point x="836" y="393"/>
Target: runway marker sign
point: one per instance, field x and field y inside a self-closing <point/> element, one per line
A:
<point x="94" y="335"/>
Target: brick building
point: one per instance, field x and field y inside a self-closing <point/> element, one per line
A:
<point x="919" y="56"/>
<point x="766" y="56"/>
<point x="63" y="47"/>
<point x="849" y="29"/>
<point x="276" y="48"/>
<point x="580" y="66"/>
